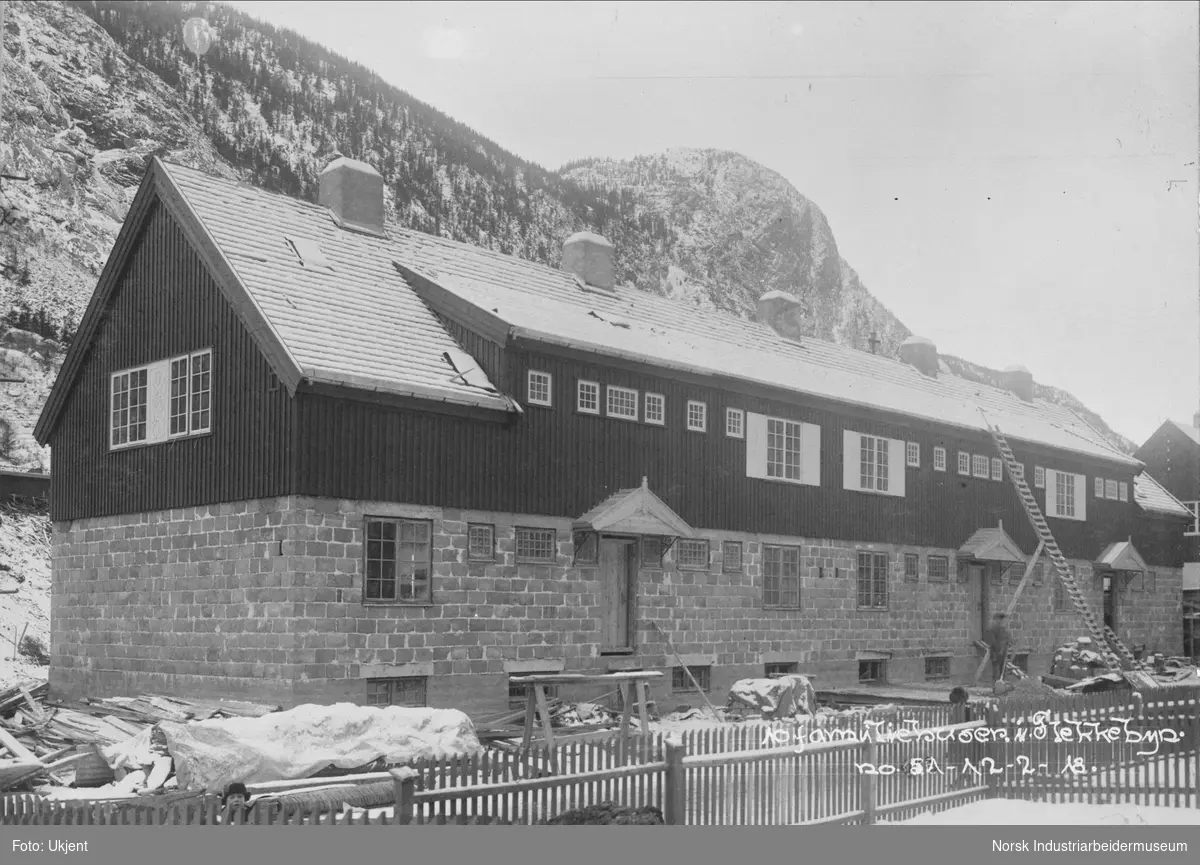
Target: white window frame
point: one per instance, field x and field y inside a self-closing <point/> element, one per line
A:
<point x="580" y="387"/>
<point x="144" y="423"/>
<point x="701" y="415"/>
<point x="1039" y="477"/>
<point x="735" y="423"/>
<point x="542" y="381"/>
<point x="1076" y="498"/>
<point x="193" y="426"/>
<point x="186" y="360"/>
<point x="912" y="455"/>
<point x="1123" y="491"/>
<point x="1111" y="490"/>
<point x="788" y="432"/>
<point x="939" y="459"/>
<point x="1194" y="531"/>
<point x="964" y="464"/>
<point x="1098" y="487"/>
<point x="630" y="395"/>
<point x="997" y="469"/>
<point x="980" y="467"/>
<point x="880" y="475"/>
<point x="658" y="418"/>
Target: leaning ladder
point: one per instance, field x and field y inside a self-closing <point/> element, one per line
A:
<point x="1117" y="656"/>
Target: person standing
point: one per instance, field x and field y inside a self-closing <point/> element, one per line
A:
<point x="998" y="642"/>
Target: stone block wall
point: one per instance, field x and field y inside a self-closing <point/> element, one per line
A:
<point x="264" y="599"/>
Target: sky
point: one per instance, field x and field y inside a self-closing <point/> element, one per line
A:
<point x="1015" y="181"/>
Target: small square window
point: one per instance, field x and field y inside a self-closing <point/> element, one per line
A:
<point x="1098" y="488"/>
<point x="691" y="553"/>
<point x="735" y="423"/>
<point x="481" y="542"/>
<point x="780" y="668"/>
<point x="622" y="403"/>
<point x="652" y="552"/>
<point x="981" y="467"/>
<point x="997" y="469"/>
<point x="911" y="567"/>
<point x="408" y="692"/>
<point x="680" y="681"/>
<point x="912" y="454"/>
<point x="697" y="416"/>
<point x="539" y="390"/>
<point x="1123" y="491"/>
<point x="872" y="671"/>
<point x="587" y="548"/>
<point x="589" y="397"/>
<point x="939" y="459"/>
<point x="1039" y="477"/>
<point x="1110" y="490"/>
<point x="939" y="569"/>
<point x="656" y="409"/>
<point x="731" y="557"/>
<point x="937" y="668"/>
<point x="964" y="464"/>
<point x="536" y="545"/>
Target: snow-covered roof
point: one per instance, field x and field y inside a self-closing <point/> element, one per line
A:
<point x="1152" y="496"/>
<point x="342" y="323"/>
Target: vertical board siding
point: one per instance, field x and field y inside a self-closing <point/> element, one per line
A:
<point x="558" y="462"/>
<point x="167" y="304"/>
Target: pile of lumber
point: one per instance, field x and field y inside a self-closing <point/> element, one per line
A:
<point x="582" y="717"/>
<point x="42" y="742"/>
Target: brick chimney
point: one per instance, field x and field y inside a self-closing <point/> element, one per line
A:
<point x="353" y="192"/>
<point x="590" y="257"/>
<point x="781" y="312"/>
<point x="1018" y="380"/>
<point x="920" y="353"/>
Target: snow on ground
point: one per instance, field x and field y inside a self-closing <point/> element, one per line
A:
<point x="25" y="550"/>
<point x="1018" y="812"/>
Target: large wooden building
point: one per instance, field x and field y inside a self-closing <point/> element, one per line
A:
<point x="301" y="454"/>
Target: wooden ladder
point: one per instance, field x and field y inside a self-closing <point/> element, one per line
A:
<point x="1117" y="657"/>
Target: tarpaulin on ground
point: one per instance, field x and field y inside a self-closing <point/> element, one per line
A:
<point x="302" y="741"/>
<point x="780" y="697"/>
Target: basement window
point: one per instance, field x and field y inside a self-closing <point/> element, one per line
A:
<point x="536" y="545"/>
<point x="408" y="691"/>
<point x="309" y="252"/>
<point x="872" y="671"/>
<point x="937" y="668"/>
<point x="781" y="668"/>
<point x="517" y="693"/>
<point x="680" y="682"/>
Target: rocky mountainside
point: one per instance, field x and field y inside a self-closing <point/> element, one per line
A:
<point x="91" y="89"/>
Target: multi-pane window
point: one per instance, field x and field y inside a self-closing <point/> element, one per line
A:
<point x="939" y="459"/>
<point x="872" y="581"/>
<point x="783" y="449"/>
<point x="656" y="409"/>
<point x="622" y="403"/>
<point x="1123" y="491"/>
<point x="539" y="391"/>
<point x="481" y="542"/>
<point x="873" y="464"/>
<point x="398" y="560"/>
<point x="911" y="567"/>
<point x="697" y="416"/>
<point x="980" y="467"/>
<point x="780" y="668"/>
<point x="180" y="382"/>
<point x="997" y="469"/>
<point x="408" y="691"/>
<point x="735" y="423"/>
<point x="691" y="553"/>
<point x="129" y="407"/>
<point x="937" y="667"/>
<point x="1039" y="477"/>
<point x="872" y="671"/>
<point x="201" y="392"/>
<point x="1064" y="494"/>
<point x="964" y="463"/>
<point x="1060" y="593"/>
<point x="939" y="569"/>
<point x="912" y="454"/>
<point x="731" y="557"/>
<point x="681" y="682"/>
<point x="781" y="577"/>
<point x="652" y="552"/>
<point x="1193" y="528"/>
<point x="1110" y="490"/>
<point x="588" y="401"/>
<point x="587" y="548"/>
<point x="536" y="545"/>
<point x="1099" y="488"/>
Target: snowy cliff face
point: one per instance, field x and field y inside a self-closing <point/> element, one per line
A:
<point x="730" y="230"/>
<point x="92" y="89"/>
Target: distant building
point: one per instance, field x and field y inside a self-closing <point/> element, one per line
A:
<point x="302" y="457"/>
<point x="26" y="486"/>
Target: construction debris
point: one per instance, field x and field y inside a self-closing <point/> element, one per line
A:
<point x="609" y="814"/>
<point x="1080" y="668"/>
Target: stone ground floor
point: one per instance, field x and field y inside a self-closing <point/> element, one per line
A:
<point x="319" y="600"/>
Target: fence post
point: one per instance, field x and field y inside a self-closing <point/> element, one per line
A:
<point x="675" y="782"/>
<point x="867" y="779"/>
<point x="992" y="748"/>
<point x="405" y="781"/>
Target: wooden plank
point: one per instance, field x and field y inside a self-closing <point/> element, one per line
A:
<point x="16" y="748"/>
<point x="575" y="678"/>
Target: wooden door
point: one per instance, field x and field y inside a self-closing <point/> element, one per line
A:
<point x="978" y="575"/>
<point x="616" y="601"/>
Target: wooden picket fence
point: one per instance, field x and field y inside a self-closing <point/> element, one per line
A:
<point x="831" y="769"/>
